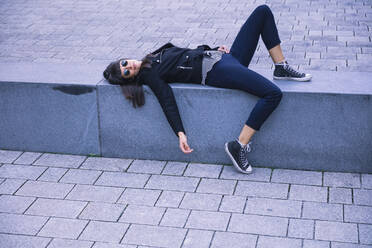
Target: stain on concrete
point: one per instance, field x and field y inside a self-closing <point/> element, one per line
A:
<point x="74" y="89"/>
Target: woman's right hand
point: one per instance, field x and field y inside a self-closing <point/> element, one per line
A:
<point x="183" y="143"/>
<point x="224" y="48"/>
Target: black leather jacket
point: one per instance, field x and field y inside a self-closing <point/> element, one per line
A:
<point x="173" y="64"/>
<point x="183" y="65"/>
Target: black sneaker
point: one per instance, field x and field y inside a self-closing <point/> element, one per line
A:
<point x="285" y="72"/>
<point x="238" y="156"/>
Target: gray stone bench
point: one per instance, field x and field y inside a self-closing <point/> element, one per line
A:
<point x="325" y="124"/>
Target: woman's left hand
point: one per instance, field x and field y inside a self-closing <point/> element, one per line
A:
<point x="224" y="48"/>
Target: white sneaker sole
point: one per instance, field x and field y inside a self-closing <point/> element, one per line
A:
<point x="249" y="171"/>
<point x="304" y="79"/>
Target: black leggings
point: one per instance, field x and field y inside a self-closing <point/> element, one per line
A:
<point x="232" y="70"/>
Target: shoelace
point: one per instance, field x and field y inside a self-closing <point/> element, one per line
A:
<point x="293" y="71"/>
<point x="243" y="155"/>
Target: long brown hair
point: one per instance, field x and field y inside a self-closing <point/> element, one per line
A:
<point x="132" y="88"/>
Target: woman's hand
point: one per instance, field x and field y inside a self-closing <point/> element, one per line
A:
<point x="183" y="143"/>
<point x="224" y="48"/>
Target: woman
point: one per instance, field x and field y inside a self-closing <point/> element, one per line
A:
<point x="217" y="67"/>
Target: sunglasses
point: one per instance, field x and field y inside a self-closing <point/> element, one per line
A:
<point x="123" y="64"/>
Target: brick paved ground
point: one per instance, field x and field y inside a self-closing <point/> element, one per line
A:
<point x="55" y="200"/>
<point x="319" y="34"/>
<point x="52" y="200"/>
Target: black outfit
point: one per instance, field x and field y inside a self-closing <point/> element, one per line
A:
<point x="174" y="64"/>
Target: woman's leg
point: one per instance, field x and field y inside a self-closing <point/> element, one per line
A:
<point x="230" y="73"/>
<point x="260" y="22"/>
<point x="277" y="54"/>
<point x="247" y="132"/>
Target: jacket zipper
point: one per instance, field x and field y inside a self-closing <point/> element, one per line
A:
<point x="161" y="53"/>
<point x="184" y="67"/>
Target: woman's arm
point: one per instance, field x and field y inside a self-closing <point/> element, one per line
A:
<point x="222" y="48"/>
<point x="165" y="96"/>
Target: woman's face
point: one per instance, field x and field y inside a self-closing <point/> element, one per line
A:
<point x="129" y="67"/>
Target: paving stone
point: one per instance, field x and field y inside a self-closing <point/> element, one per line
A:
<point x="365" y="234"/>
<point x="111" y="245"/>
<point x="348" y="245"/>
<point x="363" y="197"/>
<point x="8" y="240"/>
<point x="106" y="164"/>
<point x="142" y="215"/>
<point x="63" y="228"/>
<point x="358" y="214"/>
<point x="336" y="231"/>
<point x="27" y="158"/>
<point x="45" y="189"/>
<point x="236" y="240"/>
<point x="301" y="228"/>
<point x="367" y="181"/>
<point x="308" y="193"/>
<point x="175" y="217"/>
<point x="120" y="179"/>
<point x="269" y="242"/>
<point x="21" y="171"/>
<point x="203" y="170"/>
<point x="95" y="193"/>
<point x="56" y="208"/>
<point x="322" y="211"/>
<point x="216" y="186"/>
<point x="140" y="196"/>
<point x="297" y="177"/>
<point x="338" y="179"/>
<point x="9" y="156"/>
<point x="316" y="244"/>
<point x="273" y="207"/>
<point x="21" y="224"/>
<point x="258" y="189"/>
<point x="174" y="168"/>
<point x="68" y="243"/>
<point x="147" y="166"/>
<point x="14" y="204"/>
<point x="197" y="239"/>
<point x="232" y="204"/>
<point x="340" y="195"/>
<point x="102" y="211"/>
<point x="104" y="231"/>
<point x="172" y="183"/>
<point x="52" y="174"/>
<point x="326" y="23"/>
<point x="255" y="224"/>
<point x="201" y="201"/>
<point x="80" y="176"/>
<point x="208" y="220"/>
<point x="258" y="174"/>
<point x="154" y="236"/>
<point x="170" y="199"/>
<point x="9" y="186"/>
<point x="60" y="160"/>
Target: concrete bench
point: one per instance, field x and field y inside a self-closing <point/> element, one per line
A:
<point x="325" y="124"/>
